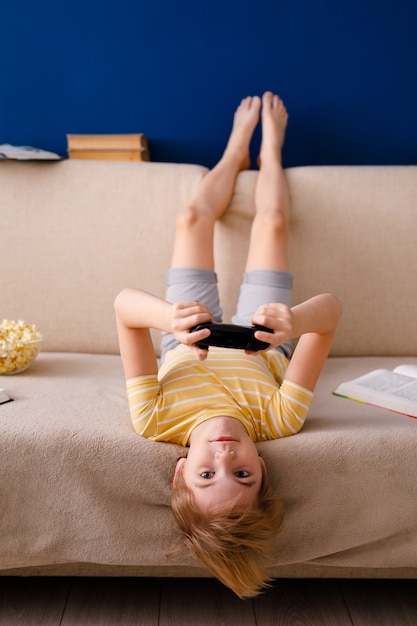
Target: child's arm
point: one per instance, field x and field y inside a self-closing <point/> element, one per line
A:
<point x="137" y="311"/>
<point x="314" y="322"/>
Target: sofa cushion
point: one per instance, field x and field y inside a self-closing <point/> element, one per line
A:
<point x="352" y="232"/>
<point x="76" y="232"/>
<point x="81" y="486"/>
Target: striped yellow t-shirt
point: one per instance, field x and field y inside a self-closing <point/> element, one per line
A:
<point x="186" y="392"/>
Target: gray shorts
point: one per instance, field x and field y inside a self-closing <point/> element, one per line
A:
<point x="258" y="287"/>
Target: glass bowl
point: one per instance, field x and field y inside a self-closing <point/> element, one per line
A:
<point x="19" y="346"/>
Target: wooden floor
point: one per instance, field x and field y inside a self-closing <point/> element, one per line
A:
<point x="204" y="602"/>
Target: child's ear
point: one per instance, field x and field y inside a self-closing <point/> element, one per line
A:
<point x="262" y="462"/>
<point x="178" y="468"/>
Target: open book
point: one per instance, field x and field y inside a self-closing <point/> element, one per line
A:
<point x="4" y="397"/>
<point x="394" y="390"/>
<point x="26" y="153"/>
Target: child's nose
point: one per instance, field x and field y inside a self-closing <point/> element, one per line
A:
<point x="225" y="452"/>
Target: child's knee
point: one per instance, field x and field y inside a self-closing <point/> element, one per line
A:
<point x="275" y="222"/>
<point x="191" y="216"/>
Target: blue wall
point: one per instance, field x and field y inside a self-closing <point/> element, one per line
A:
<point x="175" y="70"/>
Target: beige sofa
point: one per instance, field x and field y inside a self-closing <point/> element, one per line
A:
<point x="80" y="492"/>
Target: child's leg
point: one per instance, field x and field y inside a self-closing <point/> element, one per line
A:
<point x="195" y="225"/>
<point x="192" y="276"/>
<point x="266" y="277"/>
<point x="268" y="248"/>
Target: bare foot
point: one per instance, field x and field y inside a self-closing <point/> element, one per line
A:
<point x="274" y="124"/>
<point x="245" y="120"/>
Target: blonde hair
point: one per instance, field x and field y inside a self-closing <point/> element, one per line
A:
<point x="233" y="544"/>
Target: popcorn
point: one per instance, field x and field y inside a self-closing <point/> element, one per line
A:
<point x="19" y="345"/>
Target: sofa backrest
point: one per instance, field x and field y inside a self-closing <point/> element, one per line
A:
<point x="353" y="232"/>
<point x="73" y="233"/>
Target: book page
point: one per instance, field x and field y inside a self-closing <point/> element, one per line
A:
<point x="392" y="383"/>
<point x="407" y="369"/>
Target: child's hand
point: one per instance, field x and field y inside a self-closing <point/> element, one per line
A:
<point x="184" y="316"/>
<point x="279" y="318"/>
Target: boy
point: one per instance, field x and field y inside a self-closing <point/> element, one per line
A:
<point x="219" y="402"/>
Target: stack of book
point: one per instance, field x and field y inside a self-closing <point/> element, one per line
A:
<point x="131" y="147"/>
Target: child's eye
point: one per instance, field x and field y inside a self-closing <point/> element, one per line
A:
<point x="207" y="474"/>
<point x="242" y="474"/>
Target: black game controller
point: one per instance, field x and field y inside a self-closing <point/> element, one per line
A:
<point x="232" y="336"/>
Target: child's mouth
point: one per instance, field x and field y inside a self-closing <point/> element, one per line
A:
<point x="225" y="438"/>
